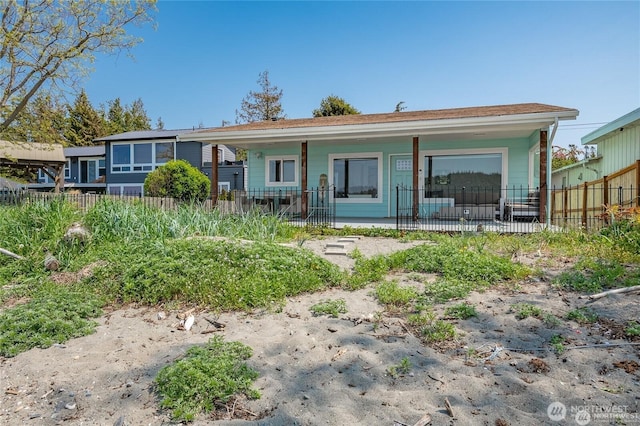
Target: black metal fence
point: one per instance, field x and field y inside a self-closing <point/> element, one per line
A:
<point x="507" y="210"/>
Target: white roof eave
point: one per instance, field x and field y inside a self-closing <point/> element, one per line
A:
<point x="391" y="129"/>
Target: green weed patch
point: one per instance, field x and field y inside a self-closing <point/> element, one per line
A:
<point x="207" y="375"/>
<point x="53" y="316"/>
<point x="222" y="274"/>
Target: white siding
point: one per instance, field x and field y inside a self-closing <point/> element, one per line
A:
<point x="227" y="154"/>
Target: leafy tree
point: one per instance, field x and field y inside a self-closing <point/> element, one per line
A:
<point x="334" y="105"/>
<point x="261" y="106"/>
<point x="562" y="157"/>
<point x="85" y="123"/>
<point x="159" y="124"/>
<point x="47" y="45"/>
<point x="178" y="179"/>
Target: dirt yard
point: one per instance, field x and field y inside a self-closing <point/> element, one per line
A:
<point x="326" y="371"/>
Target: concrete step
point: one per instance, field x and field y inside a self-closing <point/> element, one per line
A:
<point x="335" y="252"/>
<point x="335" y="245"/>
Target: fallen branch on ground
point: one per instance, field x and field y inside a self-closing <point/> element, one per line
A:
<point x="11" y="254"/>
<point x="608" y="292"/>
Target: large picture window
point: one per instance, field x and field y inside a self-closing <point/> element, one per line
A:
<point x="282" y="170"/>
<point x="445" y="174"/>
<point x="357" y="176"/>
<point x="140" y="157"/>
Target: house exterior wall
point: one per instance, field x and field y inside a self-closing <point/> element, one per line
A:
<point x="227" y="154"/>
<point x="131" y="182"/>
<point x="516" y="165"/>
<point x="577" y="174"/>
<point x="227" y="175"/>
<point x="189" y="151"/>
<point x="620" y="149"/>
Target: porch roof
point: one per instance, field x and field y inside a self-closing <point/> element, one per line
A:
<point x="25" y="154"/>
<point x="516" y="120"/>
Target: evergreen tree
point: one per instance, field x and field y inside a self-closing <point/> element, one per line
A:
<point x="116" y="121"/>
<point x="42" y="120"/>
<point x="159" y="124"/>
<point x="84" y="123"/>
<point x="136" y="117"/>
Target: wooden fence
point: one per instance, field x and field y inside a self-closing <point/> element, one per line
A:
<point x="583" y="205"/>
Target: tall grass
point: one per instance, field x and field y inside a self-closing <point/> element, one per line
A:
<point x="113" y="220"/>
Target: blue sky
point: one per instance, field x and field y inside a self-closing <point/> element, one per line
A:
<point x="205" y="56"/>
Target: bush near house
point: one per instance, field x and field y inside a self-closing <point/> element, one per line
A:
<point x="178" y="179"/>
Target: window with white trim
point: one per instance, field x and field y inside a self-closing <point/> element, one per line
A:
<point x="44" y="178"/>
<point x="281" y="170"/>
<point x="91" y="170"/>
<point x="357" y="177"/>
<point x="134" y="190"/>
<point x="140" y="157"/>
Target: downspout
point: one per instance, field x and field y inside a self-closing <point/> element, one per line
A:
<point x="549" y="162"/>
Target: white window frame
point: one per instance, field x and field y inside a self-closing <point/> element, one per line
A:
<point x="96" y="160"/>
<point x="498" y="150"/>
<point x="152" y="165"/>
<point x="46" y="179"/>
<point x="296" y="171"/>
<point x="121" y="186"/>
<point x="358" y="155"/>
<point x="532" y="165"/>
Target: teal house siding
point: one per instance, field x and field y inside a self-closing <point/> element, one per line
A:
<point x="319" y="153"/>
<point x="373" y="154"/>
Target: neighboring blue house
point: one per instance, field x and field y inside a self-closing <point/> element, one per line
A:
<point x="452" y="163"/>
<point x="84" y="171"/>
<point x="131" y="156"/>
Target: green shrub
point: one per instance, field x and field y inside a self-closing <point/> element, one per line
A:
<point x="178" y="179"/>
<point x="226" y="275"/>
<point x="592" y="276"/>
<point x="330" y="307"/>
<point x="54" y="316"/>
<point x="526" y="310"/>
<point x="438" y="331"/>
<point x="461" y="311"/>
<point x="390" y="293"/>
<point x="583" y="315"/>
<point x="443" y="290"/>
<point x="633" y="329"/>
<point x="206" y="375"/>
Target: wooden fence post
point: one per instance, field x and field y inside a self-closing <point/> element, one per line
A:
<point x="584" y="205"/>
<point x="637" y="184"/>
<point x="565" y="204"/>
<point x="605" y="197"/>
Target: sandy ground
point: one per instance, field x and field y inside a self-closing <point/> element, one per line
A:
<point x="326" y="371"/>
